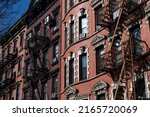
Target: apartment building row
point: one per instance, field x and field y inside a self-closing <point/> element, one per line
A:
<point x="77" y="49"/>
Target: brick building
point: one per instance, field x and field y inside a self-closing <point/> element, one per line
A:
<point x="42" y="64"/>
<point x="30" y="62"/>
<point x="105" y="49"/>
<point x="78" y="49"/>
<point x="12" y="55"/>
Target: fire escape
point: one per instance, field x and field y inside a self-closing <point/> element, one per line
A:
<point x="127" y="59"/>
<point x="39" y="66"/>
<point x="7" y="80"/>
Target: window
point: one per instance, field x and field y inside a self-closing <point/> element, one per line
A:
<point x="29" y="36"/>
<point x="65" y="7"/>
<point x="46" y="30"/>
<point x="71" y="3"/>
<point x="45" y="59"/>
<point x="82" y="26"/>
<point x="72" y="32"/>
<point x="6" y="73"/>
<point x="55" y="22"/>
<point x="26" y="95"/>
<point x="21" y="40"/>
<point x="117" y="52"/>
<point x="8" y="49"/>
<point x="83" y="67"/>
<point x="99" y="58"/>
<point x="54" y="86"/>
<point x="135" y="34"/>
<point x="65" y="34"/>
<point x="71" y="71"/>
<point x="35" y="93"/>
<point x="18" y="92"/>
<point x="46" y="26"/>
<point x="11" y="95"/>
<point x="3" y="53"/>
<point x="100" y="96"/>
<point x="19" y="66"/>
<point x="44" y="91"/>
<point x="55" y="52"/>
<point x="116" y="10"/>
<point x="15" y="46"/>
<point x="13" y="72"/>
<point x="98" y="12"/>
<point x="37" y="30"/>
<point x="27" y="69"/>
<point x="65" y="72"/>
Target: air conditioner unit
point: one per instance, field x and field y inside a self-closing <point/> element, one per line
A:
<point x="54" y="95"/>
<point x="82" y="35"/>
<point x="55" y="28"/>
<point x="55" y="59"/>
<point x="46" y="20"/>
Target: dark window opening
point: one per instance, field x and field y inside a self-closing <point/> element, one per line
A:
<point x="65" y="72"/>
<point x="71" y="3"/>
<point x="54" y="87"/>
<point x="55" y="52"/>
<point x="65" y="36"/>
<point x="72" y="32"/>
<point x="19" y="66"/>
<point x="65" y="6"/>
<point x="21" y="40"/>
<point x="46" y="30"/>
<point x="71" y="71"/>
<point x="135" y="34"/>
<point x="83" y="67"/>
<point x="82" y="26"/>
<point x="18" y="92"/>
<point x="26" y="95"/>
<point x="99" y="59"/>
<point x="101" y="97"/>
<point x="45" y="59"/>
<point x="140" y="88"/>
<point x="98" y="22"/>
<point x="44" y="91"/>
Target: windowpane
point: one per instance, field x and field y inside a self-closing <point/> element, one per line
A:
<point x="46" y="30"/>
<point x="72" y="32"/>
<point x="71" y="71"/>
<point x="83" y="24"/>
<point x="83" y="67"/>
<point x="19" y="66"/>
<point x="65" y="37"/>
<point x="100" y="97"/>
<point x="21" y="40"/>
<point x="55" y="51"/>
<point x="65" y="6"/>
<point x="44" y="91"/>
<point x="99" y="59"/>
<point x="18" y="92"/>
<point x="71" y="3"/>
<point x="54" y="84"/>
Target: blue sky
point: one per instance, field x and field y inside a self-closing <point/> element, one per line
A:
<point x="20" y="8"/>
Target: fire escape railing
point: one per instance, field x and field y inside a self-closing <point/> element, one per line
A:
<point x="8" y="58"/>
<point x="39" y="66"/>
<point x="5" y="82"/>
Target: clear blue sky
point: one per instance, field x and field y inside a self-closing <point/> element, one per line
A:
<point x="20" y="8"/>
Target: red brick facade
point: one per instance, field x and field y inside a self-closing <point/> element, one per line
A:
<point x="96" y="85"/>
